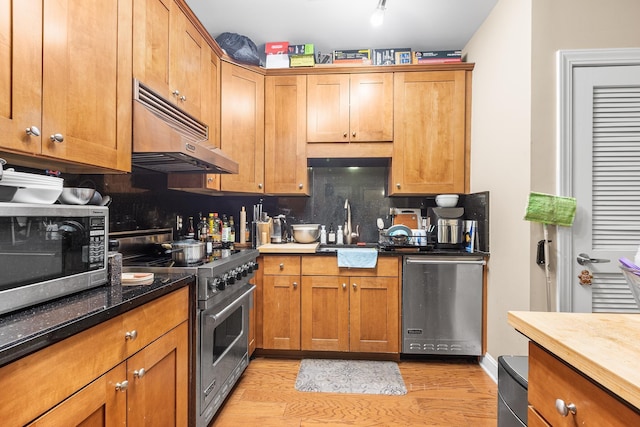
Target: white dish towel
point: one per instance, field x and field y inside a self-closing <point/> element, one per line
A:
<point x="358" y="258"/>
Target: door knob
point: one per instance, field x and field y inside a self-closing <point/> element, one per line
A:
<point x="584" y="259"/>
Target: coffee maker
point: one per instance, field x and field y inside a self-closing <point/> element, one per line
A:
<point x="448" y="225"/>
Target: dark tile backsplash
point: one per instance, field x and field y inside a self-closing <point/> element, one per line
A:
<point x="364" y="187"/>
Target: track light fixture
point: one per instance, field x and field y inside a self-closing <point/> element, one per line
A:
<point x="378" y="15"/>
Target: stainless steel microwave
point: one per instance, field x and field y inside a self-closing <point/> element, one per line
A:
<point x="48" y="251"/>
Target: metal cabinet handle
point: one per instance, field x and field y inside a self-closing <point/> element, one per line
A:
<point x="282" y="266"/>
<point x="353" y="134"/>
<point x="586" y="259"/>
<point x="354" y="285"/>
<point x="344" y="286"/>
<point x="260" y="186"/>
<point x="300" y="186"/>
<point x="131" y="335"/>
<point x="183" y="98"/>
<point x="56" y="137"/>
<point x="398" y="185"/>
<point x="564" y="409"/>
<point x="33" y="130"/>
<point x="122" y="386"/>
<point x="139" y="373"/>
<point x="295" y="284"/>
<point x="176" y="92"/>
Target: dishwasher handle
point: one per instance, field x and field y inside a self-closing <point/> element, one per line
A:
<point x="425" y="260"/>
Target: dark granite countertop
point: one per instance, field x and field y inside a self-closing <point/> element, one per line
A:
<point x="33" y="328"/>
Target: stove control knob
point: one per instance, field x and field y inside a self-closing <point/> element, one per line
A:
<point x="214" y="284"/>
<point x="231" y="277"/>
<point x="239" y="271"/>
<point x="245" y="270"/>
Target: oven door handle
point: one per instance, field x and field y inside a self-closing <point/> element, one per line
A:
<point x="420" y="260"/>
<point x="231" y="307"/>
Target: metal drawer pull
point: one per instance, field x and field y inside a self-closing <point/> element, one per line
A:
<point x="131" y="335"/>
<point x="281" y="266"/>
<point x="33" y="130"/>
<point x="139" y="373"/>
<point x="122" y="386"/>
<point x="57" y="137"/>
<point x="344" y="286"/>
<point x="564" y="409"/>
<point x="355" y="285"/>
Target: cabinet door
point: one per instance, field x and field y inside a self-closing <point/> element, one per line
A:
<point x="371" y="107"/>
<point x="328" y="108"/>
<point x="374" y="314"/>
<point x="325" y="313"/>
<point x="429" y="145"/>
<point x="211" y="97"/>
<point x="242" y="127"/>
<point x="20" y="74"/>
<point x="158" y="378"/>
<point x="86" y="86"/>
<point x="281" y="312"/>
<point x="187" y="63"/>
<point x="101" y="403"/>
<point x="151" y="29"/>
<point x="285" y="142"/>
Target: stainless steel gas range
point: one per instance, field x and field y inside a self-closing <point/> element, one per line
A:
<point x="224" y="297"/>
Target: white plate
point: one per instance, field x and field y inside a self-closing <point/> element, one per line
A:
<point x="399" y="230"/>
<point x="135" y="279"/>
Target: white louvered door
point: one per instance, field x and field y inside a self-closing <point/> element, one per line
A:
<point x="606" y="183"/>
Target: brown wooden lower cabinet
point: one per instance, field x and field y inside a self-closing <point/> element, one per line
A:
<point x="310" y="304"/>
<point x="551" y="379"/>
<point x="100" y="377"/>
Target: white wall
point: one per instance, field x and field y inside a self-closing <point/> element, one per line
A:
<point x="500" y="153"/>
<point x="514" y="131"/>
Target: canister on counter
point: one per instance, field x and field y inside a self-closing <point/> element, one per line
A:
<point x="114" y="268"/>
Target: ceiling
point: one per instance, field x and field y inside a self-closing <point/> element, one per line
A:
<point x="344" y="24"/>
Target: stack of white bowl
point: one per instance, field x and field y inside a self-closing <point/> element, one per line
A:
<point x="32" y="188"/>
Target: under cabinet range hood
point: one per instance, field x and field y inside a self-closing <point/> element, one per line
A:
<point x="166" y="139"/>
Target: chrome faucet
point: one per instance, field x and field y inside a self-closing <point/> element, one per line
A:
<point x="347" y="222"/>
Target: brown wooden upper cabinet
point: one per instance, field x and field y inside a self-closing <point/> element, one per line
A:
<point x="170" y="55"/>
<point x="65" y="84"/>
<point x="242" y="127"/>
<point x="430" y="147"/>
<point x="350" y="107"/>
<point x="285" y="163"/>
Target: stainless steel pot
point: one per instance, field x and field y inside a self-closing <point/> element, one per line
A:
<point x="449" y="231"/>
<point x="189" y="251"/>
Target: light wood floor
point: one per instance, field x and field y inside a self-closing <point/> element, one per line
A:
<point x="438" y="394"/>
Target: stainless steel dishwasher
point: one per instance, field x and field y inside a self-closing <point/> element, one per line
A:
<point x="442" y="305"/>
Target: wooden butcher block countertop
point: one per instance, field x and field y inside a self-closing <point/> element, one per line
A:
<point x="289" y="248"/>
<point x="603" y="346"/>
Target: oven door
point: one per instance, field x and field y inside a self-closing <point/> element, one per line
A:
<point x="223" y="352"/>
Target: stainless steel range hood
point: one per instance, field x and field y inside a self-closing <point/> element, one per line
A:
<point x="166" y="139"/>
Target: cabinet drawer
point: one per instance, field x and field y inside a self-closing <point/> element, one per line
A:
<point x="551" y="379"/>
<point x="155" y="319"/>
<point x="282" y="264"/>
<point x="328" y="266"/>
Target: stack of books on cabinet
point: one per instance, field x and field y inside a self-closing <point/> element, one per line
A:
<point x="277" y="55"/>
